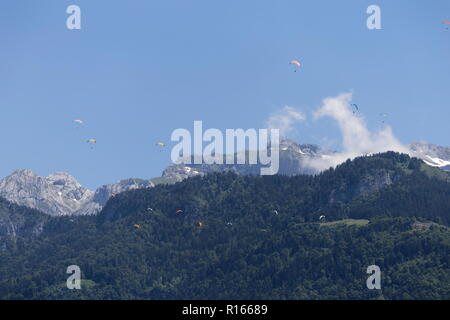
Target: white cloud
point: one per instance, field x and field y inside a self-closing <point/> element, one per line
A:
<point x="285" y="119"/>
<point x="357" y="140"/>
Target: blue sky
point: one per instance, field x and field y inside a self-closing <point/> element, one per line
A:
<point x="139" y="69"/>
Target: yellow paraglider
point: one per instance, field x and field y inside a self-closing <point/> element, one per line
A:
<point x="161" y="145"/>
<point x="92" y="142"/>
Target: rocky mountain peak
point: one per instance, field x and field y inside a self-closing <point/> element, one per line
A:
<point x="61" y="194"/>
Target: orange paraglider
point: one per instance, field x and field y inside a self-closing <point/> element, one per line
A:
<point x="296" y="63"/>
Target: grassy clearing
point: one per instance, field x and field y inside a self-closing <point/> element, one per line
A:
<point x="347" y="222"/>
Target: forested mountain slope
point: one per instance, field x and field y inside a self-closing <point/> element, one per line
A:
<point x="225" y="236"/>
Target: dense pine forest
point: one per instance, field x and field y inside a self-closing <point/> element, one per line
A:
<point x="228" y="236"/>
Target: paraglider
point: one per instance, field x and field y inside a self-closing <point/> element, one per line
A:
<point x="296" y="63"/>
<point x="179" y="211"/>
<point x="161" y="145"/>
<point x="322" y="217"/>
<point x="92" y="142"/>
<point x="229" y="223"/>
<point x="78" y="121"/>
<point x="200" y="224"/>
<point x="137" y="226"/>
<point x="275" y="211"/>
<point x="355" y="108"/>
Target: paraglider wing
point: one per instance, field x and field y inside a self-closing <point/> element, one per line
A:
<point x="137" y="226"/>
<point x="179" y="211"/>
<point x="78" y="121"/>
<point x="296" y="63"/>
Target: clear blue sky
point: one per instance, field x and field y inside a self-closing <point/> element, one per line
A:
<point x="140" y="69"/>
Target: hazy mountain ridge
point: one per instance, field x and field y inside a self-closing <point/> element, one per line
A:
<point x="61" y="194"/>
<point x="294" y="159"/>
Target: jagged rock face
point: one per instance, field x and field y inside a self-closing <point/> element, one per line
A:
<point x="57" y="194"/>
<point x="105" y="192"/>
<point x="365" y="186"/>
<point x="60" y="194"/>
<point x="20" y="221"/>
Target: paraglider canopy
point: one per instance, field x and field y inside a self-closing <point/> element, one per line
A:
<point x="137" y="226"/>
<point x="296" y="63"/>
<point x="92" y="141"/>
<point x="78" y="121"/>
<point x="179" y="211"/>
<point x="321" y="217"/>
<point x="200" y="224"/>
<point x="161" y="144"/>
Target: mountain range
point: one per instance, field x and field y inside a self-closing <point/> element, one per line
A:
<point x="236" y="236"/>
<point x="60" y="194"/>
